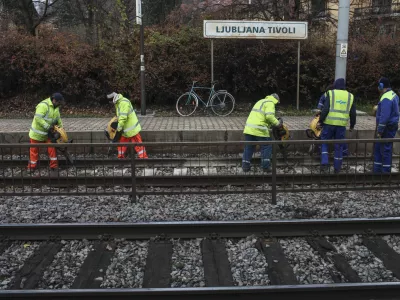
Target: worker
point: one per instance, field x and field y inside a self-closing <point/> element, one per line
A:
<point x="320" y="106"/>
<point x="128" y="127"/>
<point x="387" y="119"/>
<point x="261" y="118"/>
<point x="47" y="115"/>
<point x="337" y="109"/>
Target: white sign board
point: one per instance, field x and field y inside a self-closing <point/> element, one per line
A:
<point x="139" y="12"/>
<point x="214" y="29"/>
<point x="343" y="50"/>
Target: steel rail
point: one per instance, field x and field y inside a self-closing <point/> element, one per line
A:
<point x="200" y="229"/>
<point x="354" y="179"/>
<point x="180" y="162"/>
<point x="354" y="291"/>
<point x="202" y="145"/>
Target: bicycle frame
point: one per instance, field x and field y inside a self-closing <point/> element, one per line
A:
<point x="212" y="92"/>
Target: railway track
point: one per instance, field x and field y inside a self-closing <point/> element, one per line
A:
<point x="184" y="162"/>
<point x="160" y="240"/>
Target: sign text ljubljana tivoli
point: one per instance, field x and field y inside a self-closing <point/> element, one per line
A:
<point x="255" y="30"/>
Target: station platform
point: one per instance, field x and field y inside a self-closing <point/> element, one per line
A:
<point x="172" y="129"/>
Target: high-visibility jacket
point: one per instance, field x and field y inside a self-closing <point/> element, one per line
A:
<point x="388" y="111"/>
<point x="261" y="117"/>
<point x="340" y="103"/>
<point x="45" y="115"/>
<point x="127" y="120"/>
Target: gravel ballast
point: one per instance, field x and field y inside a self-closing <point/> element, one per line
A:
<point x="187" y="264"/>
<point x="12" y="259"/>
<point x="127" y="265"/>
<point x="52" y="209"/>
<point x="66" y="264"/>
<point x="248" y="265"/>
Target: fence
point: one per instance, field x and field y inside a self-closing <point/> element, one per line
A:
<point x="191" y="168"/>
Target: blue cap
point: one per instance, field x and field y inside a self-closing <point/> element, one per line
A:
<point x="339" y="84"/>
<point x="384" y="83"/>
<point x="58" y="97"/>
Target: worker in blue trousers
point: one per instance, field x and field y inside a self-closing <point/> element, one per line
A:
<point x="387" y="119"/>
<point x="320" y="106"/>
<point x="260" y="120"/>
<point x="338" y="108"/>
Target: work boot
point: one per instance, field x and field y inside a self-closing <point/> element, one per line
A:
<point x="324" y="169"/>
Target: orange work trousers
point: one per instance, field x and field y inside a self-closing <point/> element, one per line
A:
<point x="34" y="155"/>
<point x="140" y="150"/>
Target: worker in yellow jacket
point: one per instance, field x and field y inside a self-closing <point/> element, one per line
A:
<point x="47" y="115"/>
<point x="128" y="127"/>
<point x="261" y="118"/>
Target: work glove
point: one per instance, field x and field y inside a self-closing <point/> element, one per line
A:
<point x="317" y="113"/>
<point x="351" y="129"/>
<point x="319" y="125"/>
<point x="378" y="135"/>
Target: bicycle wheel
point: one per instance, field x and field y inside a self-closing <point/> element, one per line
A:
<point x="187" y="104"/>
<point x="222" y="103"/>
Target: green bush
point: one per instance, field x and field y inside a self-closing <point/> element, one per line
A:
<point x="177" y="55"/>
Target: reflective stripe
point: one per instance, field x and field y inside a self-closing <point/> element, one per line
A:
<point x="256" y="126"/>
<point x="337" y="158"/>
<point x="324" y="152"/>
<point x="53" y="158"/>
<point x="261" y="111"/>
<point x="266" y="159"/>
<point x="38" y="131"/>
<point x="245" y="161"/>
<point x="336" y="119"/>
<point x="132" y="127"/>
<point x="386" y="166"/>
<point x="33" y="162"/>
<point x="39" y="115"/>
<point x="120" y="152"/>
<point x="382" y="125"/>
<point x="377" y="163"/>
<point x="141" y="152"/>
<point x="338" y="110"/>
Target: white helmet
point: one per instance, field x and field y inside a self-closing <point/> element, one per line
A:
<point x="114" y="96"/>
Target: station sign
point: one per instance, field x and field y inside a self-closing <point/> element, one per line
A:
<point x="214" y="29"/>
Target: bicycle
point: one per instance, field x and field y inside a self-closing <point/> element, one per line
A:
<point x="221" y="102"/>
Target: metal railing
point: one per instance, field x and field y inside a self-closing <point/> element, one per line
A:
<point x="193" y="168"/>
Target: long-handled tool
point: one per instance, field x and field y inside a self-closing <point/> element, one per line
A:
<point x="282" y="134"/>
<point x="314" y="132"/>
<point x="110" y="133"/>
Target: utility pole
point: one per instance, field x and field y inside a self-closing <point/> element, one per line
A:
<point x="342" y="39"/>
<point x="139" y="21"/>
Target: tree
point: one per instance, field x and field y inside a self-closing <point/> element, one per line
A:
<point x="29" y="14"/>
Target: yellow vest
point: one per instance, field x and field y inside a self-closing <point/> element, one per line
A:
<point x="261" y="117"/>
<point x="340" y="104"/>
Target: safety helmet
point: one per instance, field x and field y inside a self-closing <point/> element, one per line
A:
<point x="114" y="96"/>
<point x="110" y="132"/>
<point x="276" y="96"/>
<point x="60" y="135"/>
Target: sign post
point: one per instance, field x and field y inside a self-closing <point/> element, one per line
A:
<point x="229" y="29"/>
<point x="139" y="21"/>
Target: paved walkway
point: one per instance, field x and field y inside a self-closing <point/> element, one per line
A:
<point x="172" y="123"/>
